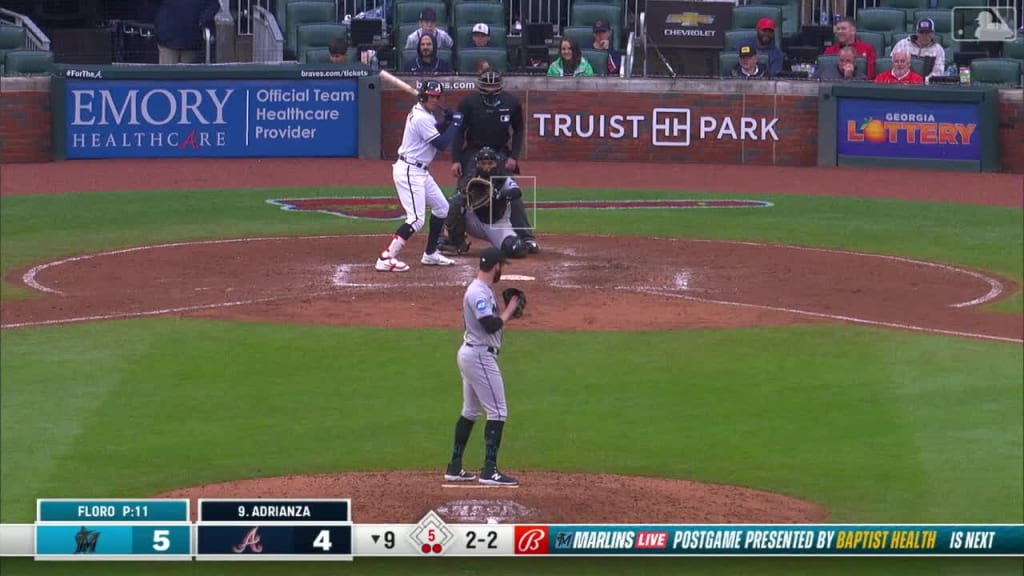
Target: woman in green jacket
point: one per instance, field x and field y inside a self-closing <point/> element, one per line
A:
<point x="571" y="62"/>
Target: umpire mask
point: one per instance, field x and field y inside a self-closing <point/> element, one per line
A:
<point x="489" y="85"/>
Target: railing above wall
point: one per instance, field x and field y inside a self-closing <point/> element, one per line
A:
<point x="35" y="39"/>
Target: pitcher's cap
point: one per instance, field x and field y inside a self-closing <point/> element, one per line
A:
<point x="491" y="257"/>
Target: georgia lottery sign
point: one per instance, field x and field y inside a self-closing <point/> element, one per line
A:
<point x="908" y="129"/>
<point x="210" y="118"/>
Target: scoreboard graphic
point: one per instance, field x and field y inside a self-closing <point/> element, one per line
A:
<point x="322" y="529"/>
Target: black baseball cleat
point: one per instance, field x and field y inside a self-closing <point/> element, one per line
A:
<point x="495" y="478"/>
<point x="448" y="248"/>
<point x="458" y="475"/>
<point x="531" y="246"/>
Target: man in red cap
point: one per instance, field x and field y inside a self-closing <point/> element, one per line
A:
<point x="846" y="35"/>
<point x="765" y="44"/>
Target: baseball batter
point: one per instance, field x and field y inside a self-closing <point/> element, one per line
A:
<point x="422" y="139"/>
<point x="482" y="385"/>
<point x="484" y="210"/>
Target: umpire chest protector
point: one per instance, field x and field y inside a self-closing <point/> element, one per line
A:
<point x="489" y="125"/>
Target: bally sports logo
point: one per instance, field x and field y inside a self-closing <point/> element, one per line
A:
<point x="909" y="128"/>
<point x="531" y="539"/>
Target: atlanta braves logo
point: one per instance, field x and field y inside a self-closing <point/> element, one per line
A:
<point x="251" y="541"/>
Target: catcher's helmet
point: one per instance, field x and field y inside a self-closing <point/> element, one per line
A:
<point x="489" y="83"/>
<point x="486" y="153"/>
<point x="430" y="88"/>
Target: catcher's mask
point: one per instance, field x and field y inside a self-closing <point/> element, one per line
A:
<point x="430" y="88"/>
<point x="486" y="161"/>
<point x="489" y="85"/>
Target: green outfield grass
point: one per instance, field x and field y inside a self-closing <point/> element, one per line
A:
<point x="875" y="425"/>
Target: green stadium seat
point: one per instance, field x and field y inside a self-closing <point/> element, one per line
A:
<point x="28" y="62"/>
<point x="907" y="6"/>
<point x="583" y="35"/>
<point x="467" y="58"/>
<point x="882" y="20"/>
<point x="746" y="17"/>
<point x="409" y="12"/>
<point x="790" y="16"/>
<point x="943" y="21"/>
<point x="323" y="55"/>
<point x="1014" y="49"/>
<point x="876" y="39"/>
<point x="992" y="71"/>
<point x="407" y="56"/>
<point x="317" y="36"/>
<point x="469" y="13"/>
<point x="281" y="11"/>
<point x="860" y="64"/>
<point x="302" y="13"/>
<point x="598" y="60"/>
<point x="884" y="63"/>
<point x="587" y="14"/>
<point x="728" y="60"/>
<point x="12" y="37"/>
<point x="464" y="34"/>
<point x="949" y="4"/>
<point x="733" y="39"/>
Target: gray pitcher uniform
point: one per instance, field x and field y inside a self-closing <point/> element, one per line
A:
<point x="482" y="386"/>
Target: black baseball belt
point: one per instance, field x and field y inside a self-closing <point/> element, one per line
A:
<point x="490" y="349"/>
<point x="413" y="162"/>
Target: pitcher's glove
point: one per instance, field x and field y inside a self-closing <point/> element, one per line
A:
<point x="508" y="293"/>
<point x="478" y="192"/>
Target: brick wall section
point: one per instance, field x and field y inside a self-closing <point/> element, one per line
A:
<point x="25" y="121"/>
<point x="1011" y="135"/>
<point x="796" y="126"/>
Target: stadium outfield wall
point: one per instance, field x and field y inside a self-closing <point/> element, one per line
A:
<point x="789" y="123"/>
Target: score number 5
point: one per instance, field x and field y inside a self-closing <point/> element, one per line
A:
<point x="161" y="542"/>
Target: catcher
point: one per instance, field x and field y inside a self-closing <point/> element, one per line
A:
<point x="483" y="210"/>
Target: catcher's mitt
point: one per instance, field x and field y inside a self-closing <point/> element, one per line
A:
<point x="478" y="192"/>
<point x="508" y="293"/>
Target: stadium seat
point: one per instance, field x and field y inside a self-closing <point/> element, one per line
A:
<point x="950" y="4"/>
<point x="28" y="62"/>
<point x="587" y="14"/>
<point x="317" y="36"/>
<point x="409" y="12"/>
<point x="11" y="37"/>
<point x="992" y="71"/>
<point x="940" y="39"/>
<point x="497" y="57"/>
<point x="469" y="13"/>
<point x="890" y="20"/>
<point x="861" y="64"/>
<point x="790" y="16"/>
<point x="907" y="6"/>
<point x="728" y="60"/>
<point x="746" y="17"/>
<point x="876" y="39"/>
<point x="410" y="55"/>
<point x="884" y="63"/>
<point x="464" y="34"/>
<point x="598" y="60"/>
<point x="943" y="21"/>
<point x="301" y="13"/>
<point x="404" y="30"/>
<point x="1014" y="49"/>
<point x="583" y="35"/>
<point x="733" y="39"/>
<point x="323" y="55"/>
<point x="281" y="11"/>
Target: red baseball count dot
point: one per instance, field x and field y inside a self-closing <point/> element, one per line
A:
<point x="426" y="548"/>
<point x="437" y="548"/>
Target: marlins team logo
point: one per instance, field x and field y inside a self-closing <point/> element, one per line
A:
<point x="389" y="208"/>
<point x="86" y="540"/>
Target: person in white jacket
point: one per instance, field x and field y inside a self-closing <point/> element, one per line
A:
<point x="923" y="45"/>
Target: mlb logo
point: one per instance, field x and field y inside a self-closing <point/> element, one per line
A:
<point x="984" y="23"/>
<point x="505" y="118"/>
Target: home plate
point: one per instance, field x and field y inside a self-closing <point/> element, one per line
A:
<point x="519" y="277"/>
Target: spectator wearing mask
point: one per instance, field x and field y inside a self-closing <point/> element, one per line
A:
<point x="846" y="35"/>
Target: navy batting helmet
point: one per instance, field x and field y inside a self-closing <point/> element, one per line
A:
<point x="430" y="88"/>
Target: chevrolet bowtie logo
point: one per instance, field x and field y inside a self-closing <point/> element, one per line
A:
<point x="689" y="19"/>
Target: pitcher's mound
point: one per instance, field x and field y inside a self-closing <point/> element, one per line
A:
<point x="403" y="497"/>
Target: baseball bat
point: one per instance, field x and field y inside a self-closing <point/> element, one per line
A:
<point x="397" y="83"/>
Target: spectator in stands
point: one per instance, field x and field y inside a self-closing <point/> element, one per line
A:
<point x="846" y="35"/>
<point x="748" y="67"/>
<point x="428" y="27"/>
<point x="482" y="65"/>
<point x="570" y="61"/>
<point x="427" y="61"/>
<point x="338" y="49"/>
<point x="845" y="68"/>
<point x="923" y="45"/>
<point x="901" y="72"/>
<point x="481" y="37"/>
<point x="178" y="25"/>
<point x="602" y="41"/>
<point x="765" y="44"/>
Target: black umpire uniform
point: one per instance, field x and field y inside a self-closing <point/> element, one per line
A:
<point x="495" y="119"/>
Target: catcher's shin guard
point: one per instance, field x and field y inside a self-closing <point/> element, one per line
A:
<point x="456" y="243"/>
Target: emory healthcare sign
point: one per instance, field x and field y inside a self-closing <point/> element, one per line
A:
<point x="908" y="129"/>
<point x="210" y="118"/>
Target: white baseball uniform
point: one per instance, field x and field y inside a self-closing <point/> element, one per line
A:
<point x="416" y="187"/>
